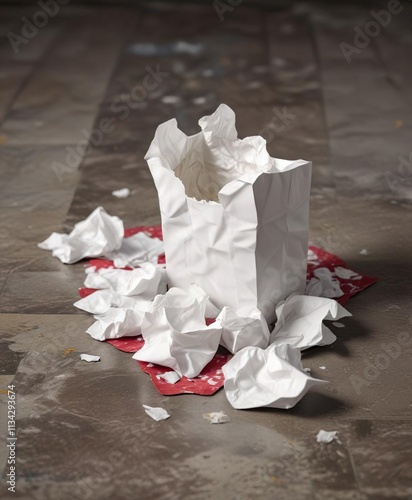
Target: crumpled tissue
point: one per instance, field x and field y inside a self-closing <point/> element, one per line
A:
<point x="137" y="249"/>
<point x="97" y="235"/>
<point x="235" y="220"/>
<point x="101" y="301"/>
<point x="146" y="281"/>
<point x="300" y="321"/>
<point x="118" y="322"/>
<point x="101" y="234"/>
<point x="243" y="328"/>
<point x="176" y="335"/>
<point x="273" y="377"/>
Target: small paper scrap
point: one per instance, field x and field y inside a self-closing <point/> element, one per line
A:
<point x="156" y="413"/>
<point x="326" y="436"/>
<point x="170" y="377"/>
<point x="216" y="417"/>
<point x="121" y="193"/>
<point x="323" y="284"/>
<point x="89" y="358"/>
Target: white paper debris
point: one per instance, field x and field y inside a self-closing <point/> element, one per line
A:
<point x="116" y="323"/>
<point x="178" y="47"/>
<point x="311" y="255"/>
<point x="169" y="377"/>
<point x="338" y="324"/>
<point x="95" y="236"/>
<point x="121" y="193"/>
<point x="300" y="320"/>
<point x="307" y="370"/>
<point x="199" y="101"/>
<point x="146" y="281"/>
<point x="90" y="269"/>
<point x="216" y="417"/>
<point x="89" y="358"/>
<point x="136" y="250"/>
<point x="346" y="274"/>
<point x="244" y="328"/>
<point x="176" y="334"/>
<point x="364" y="251"/>
<point x="322" y="367"/>
<point x="326" y="436"/>
<point x="323" y="284"/>
<point x="156" y="413"/>
<point x="101" y="301"/>
<point x="273" y="377"/>
<point x="170" y="99"/>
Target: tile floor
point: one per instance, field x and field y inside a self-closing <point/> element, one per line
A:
<point x="82" y="433"/>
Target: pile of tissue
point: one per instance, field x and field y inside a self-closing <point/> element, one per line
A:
<point x="265" y="369"/>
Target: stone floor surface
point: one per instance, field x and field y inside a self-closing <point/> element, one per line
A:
<point x="81" y="429"/>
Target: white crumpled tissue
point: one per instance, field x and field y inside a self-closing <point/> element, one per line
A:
<point x="101" y="301"/>
<point x="121" y="299"/>
<point x="176" y="335"/>
<point x="118" y="322"/>
<point x="146" y="281"/>
<point x="102" y="235"/>
<point x="137" y="249"/>
<point x="300" y="321"/>
<point x="95" y="236"/>
<point x="243" y="328"/>
<point x="273" y="377"/>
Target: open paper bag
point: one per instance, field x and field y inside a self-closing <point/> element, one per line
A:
<point x="235" y="220"/>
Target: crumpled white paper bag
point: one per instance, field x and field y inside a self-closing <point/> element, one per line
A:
<point x="146" y="281"/>
<point x="243" y="328"/>
<point x="95" y="236"/>
<point x="235" y="220"/>
<point x="176" y="335"/>
<point x="273" y="377"/>
<point x="300" y="320"/>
